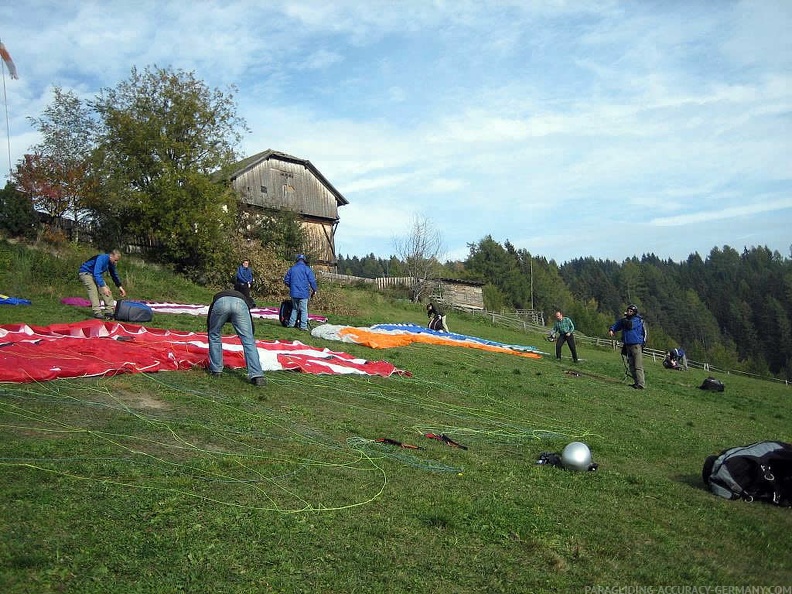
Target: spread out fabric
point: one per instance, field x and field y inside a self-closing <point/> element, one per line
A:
<point x="269" y="313"/>
<point x="385" y="336"/>
<point x="6" y="300"/>
<point x="96" y="348"/>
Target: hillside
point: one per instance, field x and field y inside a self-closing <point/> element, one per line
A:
<point x="176" y="481"/>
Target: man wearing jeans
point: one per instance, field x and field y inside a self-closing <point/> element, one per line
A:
<point x="302" y="286"/>
<point x="234" y="307"/>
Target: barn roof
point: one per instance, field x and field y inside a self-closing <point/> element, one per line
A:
<point x="459" y="281"/>
<point x="248" y="163"/>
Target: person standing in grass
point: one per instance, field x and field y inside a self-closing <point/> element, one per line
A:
<point x="91" y="275"/>
<point x="633" y="341"/>
<point x="234" y="307"/>
<point x="564" y="331"/>
<point x="244" y="278"/>
<point x="302" y="286"/>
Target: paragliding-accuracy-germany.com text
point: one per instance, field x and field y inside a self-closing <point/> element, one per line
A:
<point x="688" y="590"/>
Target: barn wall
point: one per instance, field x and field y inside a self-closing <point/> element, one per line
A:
<point x="449" y="292"/>
<point x="457" y="293"/>
<point x="321" y="242"/>
<point x="319" y="235"/>
<point x="285" y="185"/>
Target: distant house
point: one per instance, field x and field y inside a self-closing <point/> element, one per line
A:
<point x="464" y="294"/>
<point x="275" y="180"/>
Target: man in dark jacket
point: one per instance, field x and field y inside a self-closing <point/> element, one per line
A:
<point x="244" y="278"/>
<point x="302" y="286"/>
<point x="234" y="307"/>
<point x="437" y="318"/>
<point x="633" y="341"/>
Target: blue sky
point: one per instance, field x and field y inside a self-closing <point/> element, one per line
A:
<point x="570" y="128"/>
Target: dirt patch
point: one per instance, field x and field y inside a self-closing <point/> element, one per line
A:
<point x="140" y="401"/>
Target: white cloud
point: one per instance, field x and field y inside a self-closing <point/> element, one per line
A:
<point x="731" y="212"/>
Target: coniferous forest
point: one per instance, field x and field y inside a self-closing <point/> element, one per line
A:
<point x="731" y="308"/>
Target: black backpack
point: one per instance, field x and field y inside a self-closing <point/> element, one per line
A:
<point x="284" y="313"/>
<point x="132" y="311"/>
<point x="759" y="471"/>
<point x="712" y="384"/>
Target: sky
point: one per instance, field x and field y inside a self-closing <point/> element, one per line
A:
<point x="569" y="128"/>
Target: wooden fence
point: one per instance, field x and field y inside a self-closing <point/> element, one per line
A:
<point x="381" y="283"/>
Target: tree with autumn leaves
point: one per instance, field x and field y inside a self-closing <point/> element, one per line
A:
<point x="137" y="161"/>
<point x="57" y="173"/>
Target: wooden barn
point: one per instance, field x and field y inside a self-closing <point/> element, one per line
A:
<point x="275" y="180"/>
<point x="458" y="293"/>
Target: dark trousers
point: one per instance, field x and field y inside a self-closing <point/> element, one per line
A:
<point x="570" y="340"/>
<point x="243" y="288"/>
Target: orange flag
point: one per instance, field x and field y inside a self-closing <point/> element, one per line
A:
<point x="8" y="61"/>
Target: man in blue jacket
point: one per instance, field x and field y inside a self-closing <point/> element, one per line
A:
<point x="633" y="341"/>
<point x="91" y="275"/>
<point x="302" y="286"/>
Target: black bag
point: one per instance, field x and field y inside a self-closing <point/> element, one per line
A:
<point x="132" y="311"/>
<point x="759" y="471"/>
<point x="284" y="313"/>
<point x="712" y="384"/>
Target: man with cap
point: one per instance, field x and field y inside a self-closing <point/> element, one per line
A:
<point x="633" y="341"/>
<point x="302" y="286"/>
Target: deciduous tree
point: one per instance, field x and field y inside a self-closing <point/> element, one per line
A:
<point x="57" y="174"/>
<point x="164" y="133"/>
<point x="420" y="251"/>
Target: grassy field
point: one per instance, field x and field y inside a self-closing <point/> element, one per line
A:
<point x="178" y="482"/>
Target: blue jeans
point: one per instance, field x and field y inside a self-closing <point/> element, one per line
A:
<point x="234" y="310"/>
<point x="299" y="305"/>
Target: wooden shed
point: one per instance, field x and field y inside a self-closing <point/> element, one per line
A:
<point x="458" y="293"/>
<point x="275" y="180"/>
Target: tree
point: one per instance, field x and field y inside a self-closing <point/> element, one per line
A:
<point x="513" y="272"/>
<point x="420" y="251"/>
<point x="57" y="173"/>
<point x="163" y="133"/>
<point x="17" y="216"/>
<point x="281" y="232"/>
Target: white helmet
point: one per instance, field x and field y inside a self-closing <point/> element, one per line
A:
<point x="576" y="456"/>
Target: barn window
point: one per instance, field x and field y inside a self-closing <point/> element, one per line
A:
<point x="263" y="189"/>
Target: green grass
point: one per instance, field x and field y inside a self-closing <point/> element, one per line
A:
<point x="175" y="482"/>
